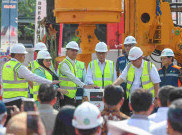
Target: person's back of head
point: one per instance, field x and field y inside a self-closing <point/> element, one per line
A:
<point x="164" y="93"/>
<point x="175" y="94"/>
<point x="87" y="119"/>
<point x="141" y="100"/>
<point x="63" y="123"/>
<point x="175" y="117"/>
<point x="113" y="95"/>
<point x="25" y="123"/>
<point x="47" y="93"/>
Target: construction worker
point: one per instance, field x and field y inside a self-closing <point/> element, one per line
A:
<point x="67" y="72"/>
<point x="87" y="119"/>
<point x="121" y="63"/>
<point x="169" y="73"/>
<point x="32" y="65"/>
<point x="15" y="77"/>
<point x="139" y="74"/>
<point x="43" y="70"/>
<point x="101" y="72"/>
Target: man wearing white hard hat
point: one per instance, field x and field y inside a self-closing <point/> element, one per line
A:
<point x="15" y="77"/>
<point x="121" y="63"/>
<point x="67" y="71"/>
<point x="101" y="72"/>
<point x="87" y="119"/>
<point x="139" y="74"/>
<point x="169" y="73"/>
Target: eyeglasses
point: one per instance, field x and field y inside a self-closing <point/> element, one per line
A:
<point x="47" y="60"/>
<point x="73" y="50"/>
<point x="128" y="45"/>
<point x="163" y="58"/>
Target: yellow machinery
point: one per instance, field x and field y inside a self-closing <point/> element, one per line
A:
<point x="150" y="21"/>
<point x="87" y="13"/>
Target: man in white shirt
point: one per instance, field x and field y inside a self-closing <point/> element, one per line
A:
<point x="139" y="74"/>
<point x="141" y="106"/>
<point x="67" y="72"/>
<point x="101" y="72"/>
<point x="15" y="77"/>
<point x="161" y="114"/>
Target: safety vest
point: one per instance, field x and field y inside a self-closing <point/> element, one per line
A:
<point x="66" y="83"/>
<point x="104" y="79"/>
<point x="32" y="65"/>
<point x="80" y="67"/>
<point x="37" y="85"/>
<point x="147" y="83"/>
<point x="13" y="86"/>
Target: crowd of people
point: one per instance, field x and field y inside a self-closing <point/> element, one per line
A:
<point x="141" y="100"/>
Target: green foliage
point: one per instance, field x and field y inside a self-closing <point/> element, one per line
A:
<point x="76" y="39"/>
<point x="26" y="11"/>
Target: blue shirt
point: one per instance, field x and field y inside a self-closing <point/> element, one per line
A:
<point x="120" y="65"/>
<point x="170" y="76"/>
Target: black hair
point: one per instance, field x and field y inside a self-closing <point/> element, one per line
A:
<point x="164" y="93"/>
<point x="113" y="94"/>
<point x="47" y="93"/>
<point x="175" y="94"/>
<point x="63" y="122"/>
<point x="12" y="55"/>
<point x="88" y="131"/>
<point x="175" y="115"/>
<point x="141" y="100"/>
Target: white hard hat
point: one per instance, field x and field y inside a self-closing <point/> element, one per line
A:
<point x="167" y="52"/>
<point x="72" y="45"/>
<point x="101" y="47"/>
<point x="130" y="40"/>
<point x="135" y="53"/>
<point x="43" y="55"/>
<point x="40" y="46"/>
<point x="18" y="48"/>
<point x="87" y="116"/>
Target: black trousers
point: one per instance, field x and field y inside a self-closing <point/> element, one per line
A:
<point x="67" y="101"/>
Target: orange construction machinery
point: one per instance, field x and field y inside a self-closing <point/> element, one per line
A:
<point x="87" y="13"/>
<point x="150" y="21"/>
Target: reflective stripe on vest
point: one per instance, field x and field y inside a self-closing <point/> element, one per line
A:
<point x="13" y="86"/>
<point x="147" y="84"/>
<point x="80" y="68"/>
<point x="66" y="83"/>
<point x="104" y="79"/>
<point x="36" y="85"/>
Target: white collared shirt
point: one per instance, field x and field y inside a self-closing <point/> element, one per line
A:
<point x="141" y="123"/>
<point x="159" y="128"/>
<point x="160" y="115"/>
<point x="138" y="72"/>
<point x="65" y="70"/>
<point x="89" y="79"/>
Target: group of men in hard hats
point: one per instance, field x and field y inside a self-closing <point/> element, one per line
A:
<point x="135" y="72"/>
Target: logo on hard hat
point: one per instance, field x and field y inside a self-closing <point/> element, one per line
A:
<point x="86" y="121"/>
